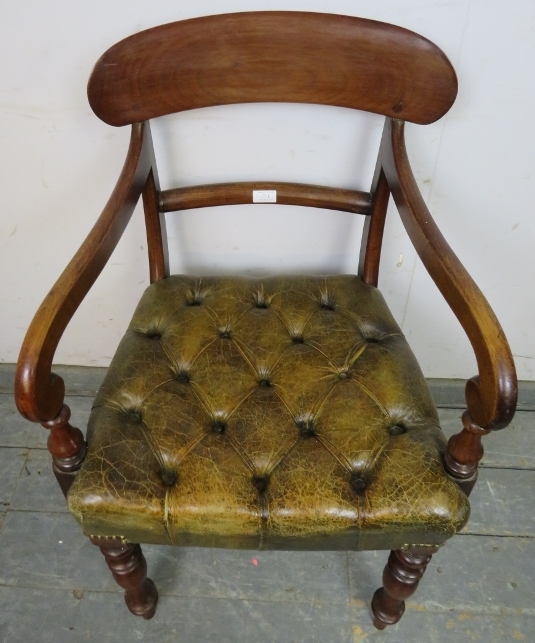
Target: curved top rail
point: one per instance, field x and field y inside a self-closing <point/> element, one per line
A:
<point x="273" y="56"/>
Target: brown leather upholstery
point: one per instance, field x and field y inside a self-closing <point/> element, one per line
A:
<point x="287" y="412"/>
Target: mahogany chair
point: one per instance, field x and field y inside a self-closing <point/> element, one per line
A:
<point x="278" y="413"/>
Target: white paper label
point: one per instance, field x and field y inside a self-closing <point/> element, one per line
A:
<point x="264" y="196"/>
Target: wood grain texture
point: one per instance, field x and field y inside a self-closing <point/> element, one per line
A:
<point x="372" y="233"/>
<point x="156" y="230"/>
<point x="129" y="568"/>
<point x="39" y="392"/>
<point x="157" y="245"/>
<point x="315" y="196"/>
<point x="374" y="225"/>
<point x="403" y="572"/>
<point x="491" y="395"/>
<point x="463" y="453"/>
<point x="502" y="504"/>
<point x="514" y="450"/>
<point x="273" y="56"/>
<point x="68" y="448"/>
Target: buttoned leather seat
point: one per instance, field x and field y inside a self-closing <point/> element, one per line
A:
<point x="286" y="412"/>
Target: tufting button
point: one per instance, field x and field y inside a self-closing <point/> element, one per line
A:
<point x="260" y="299"/>
<point x="327" y="306"/>
<point x="261" y="483"/>
<point x="169" y="477"/>
<point x="182" y="376"/>
<point x="153" y="333"/>
<point x="194" y="297"/>
<point x="224" y="333"/>
<point x="358" y="484"/>
<point x="219" y="426"/>
<point x="397" y="429"/>
<point x="264" y="382"/>
<point x="134" y="414"/>
<point x="327" y="301"/>
<point x="343" y="375"/>
<point x="298" y="339"/>
<point x="371" y="340"/>
<point x="306" y="427"/>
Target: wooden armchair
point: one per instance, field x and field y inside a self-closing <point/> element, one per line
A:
<point x="285" y="412"/>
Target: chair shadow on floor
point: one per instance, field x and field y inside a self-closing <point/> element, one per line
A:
<point x="306" y="577"/>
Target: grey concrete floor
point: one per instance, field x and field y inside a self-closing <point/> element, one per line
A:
<point x="55" y="586"/>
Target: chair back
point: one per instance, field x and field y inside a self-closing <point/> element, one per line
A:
<point x="273" y="56"/>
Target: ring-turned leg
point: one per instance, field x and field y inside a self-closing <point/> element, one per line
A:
<point x="401" y="576"/>
<point x="129" y="568"/>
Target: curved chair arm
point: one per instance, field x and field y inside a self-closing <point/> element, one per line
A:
<point x="491" y="396"/>
<point x="39" y="392"/>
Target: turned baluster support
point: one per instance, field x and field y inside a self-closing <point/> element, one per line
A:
<point x="68" y="448"/>
<point x="401" y="576"/>
<point x="129" y="569"/>
<point x="463" y="453"/>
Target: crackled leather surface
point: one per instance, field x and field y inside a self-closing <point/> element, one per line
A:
<point x="287" y="412"/>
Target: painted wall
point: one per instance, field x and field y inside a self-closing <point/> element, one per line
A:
<point x="476" y="168"/>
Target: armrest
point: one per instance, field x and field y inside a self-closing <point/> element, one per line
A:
<point x="39" y="392"/>
<point x="491" y="396"/>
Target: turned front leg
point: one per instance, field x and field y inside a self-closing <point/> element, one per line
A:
<point x="129" y="569"/>
<point x="401" y="576"/>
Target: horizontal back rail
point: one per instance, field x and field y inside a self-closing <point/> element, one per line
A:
<point x="315" y="196"/>
<point x="273" y="56"/>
